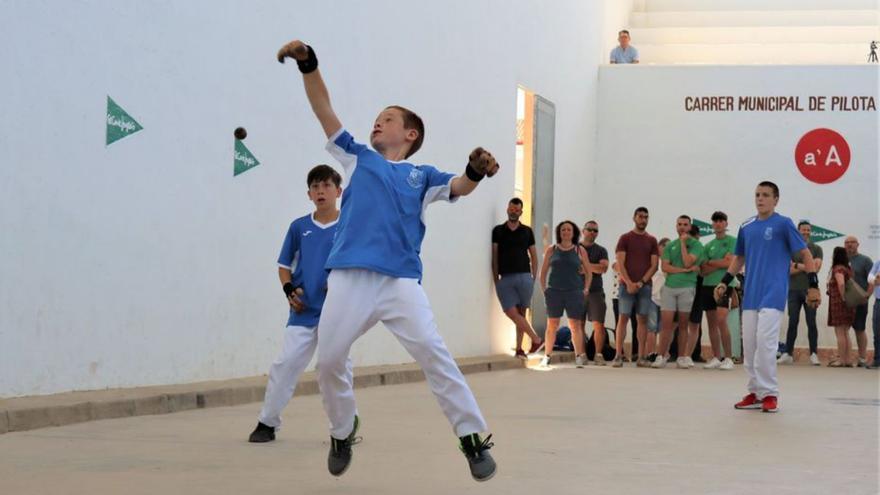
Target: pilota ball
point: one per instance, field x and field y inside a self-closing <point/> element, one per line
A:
<point x="240" y="133"/>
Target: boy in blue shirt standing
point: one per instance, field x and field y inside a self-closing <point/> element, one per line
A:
<point x="376" y="269"/>
<point x="304" y="281"/>
<point x="765" y="244"/>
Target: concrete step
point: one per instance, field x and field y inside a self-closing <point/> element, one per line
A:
<point x="28" y="413"/>
<point x="756" y="18"/>
<point x="743" y="53"/>
<point x="722" y="5"/>
<point x="775" y="35"/>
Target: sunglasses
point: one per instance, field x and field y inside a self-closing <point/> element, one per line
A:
<point x="589" y="229"/>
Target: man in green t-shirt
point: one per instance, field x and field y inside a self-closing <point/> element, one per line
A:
<point x="679" y="263"/>
<point x="716" y="258"/>
<point x="797" y="297"/>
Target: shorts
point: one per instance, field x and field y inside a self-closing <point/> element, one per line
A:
<point x="596" y="307"/>
<point x="681" y="300"/>
<point x="696" y="315"/>
<point x="515" y="290"/>
<point x="707" y="298"/>
<point x="861" y="320"/>
<point x="641" y="300"/>
<point x="564" y="300"/>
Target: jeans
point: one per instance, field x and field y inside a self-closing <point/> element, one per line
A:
<point x="796" y="300"/>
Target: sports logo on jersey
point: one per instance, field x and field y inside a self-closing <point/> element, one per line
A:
<point x="416" y="178"/>
<point x="306" y="233"/>
<point x="768" y="233"/>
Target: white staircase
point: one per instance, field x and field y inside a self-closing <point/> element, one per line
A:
<point x="755" y="31"/>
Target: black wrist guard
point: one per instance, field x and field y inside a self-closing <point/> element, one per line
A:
<point x="472" y="173"/>
<point x="288" y="289"/>
<point x="814" y="280"/>
<point x="727" y="278"/>
<point x="309" y="64"/>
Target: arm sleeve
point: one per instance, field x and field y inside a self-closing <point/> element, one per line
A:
<point x="795" y="241"/>
<point x="496" y="237"/>
<point x="345" y="149"/>
<point x="438" y="185"/>
<point x="290" y="248"/>
<point x="740" y="247"/>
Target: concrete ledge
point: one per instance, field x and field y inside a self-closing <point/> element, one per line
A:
<point x="28" y="413"/>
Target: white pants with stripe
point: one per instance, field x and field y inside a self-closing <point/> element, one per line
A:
<point x="760" y="334"/>
<point x="357" y="300"/>
<point x="296" y="352"/>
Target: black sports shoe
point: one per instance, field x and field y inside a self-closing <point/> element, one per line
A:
<point x="339" y="457"/>
<point x="477" y="452"/>
<point x="262" y="434"/>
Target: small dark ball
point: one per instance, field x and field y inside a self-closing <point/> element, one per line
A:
<point x="240" y="133"/>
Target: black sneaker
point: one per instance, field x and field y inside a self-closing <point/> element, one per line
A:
<point x="340" y="451"/>
<point x="262" y="434"/>
<point x="477" y="452"/>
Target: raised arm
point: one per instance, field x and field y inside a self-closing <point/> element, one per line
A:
<point x="316" y="91"/>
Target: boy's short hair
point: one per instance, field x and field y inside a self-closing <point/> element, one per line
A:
<point x="623" y="31"/>
<point x="686" y="217"/>
<point x="804" y="222"/>
<point x="515" y="201"/>
<point x="641" y="209"/>
<point x="412" y="121"/>
<point x="771" y="185"/>
<point x="322" y="172"/>
<point x="718" y="216"/>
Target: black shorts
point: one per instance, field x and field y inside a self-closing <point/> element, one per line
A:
<point x="696" y="315"/>
<point x="596" y="307"/>
<point x="570" y="302"/>
<point x="859" y="324"/>
<point x="707" y="295"/>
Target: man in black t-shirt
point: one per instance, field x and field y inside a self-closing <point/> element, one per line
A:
<point x="596" y="305"/>
<point x="514" y="264"/>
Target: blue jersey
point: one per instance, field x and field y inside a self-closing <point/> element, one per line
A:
<point x="304" y="253"/>
<point x="767" y="246"/>
<point x="381" y="226"/>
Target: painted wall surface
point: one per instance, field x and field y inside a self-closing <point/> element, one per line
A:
<point x="146" y="262"/>
<point x="653" y="152"/>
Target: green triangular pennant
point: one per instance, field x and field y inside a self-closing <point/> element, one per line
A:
<point x="820" y="234"/>
<point x="119" y="122"/>
<point x="244" y="159"/>
<point x="705" y="228"/>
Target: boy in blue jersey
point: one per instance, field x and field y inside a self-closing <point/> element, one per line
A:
<point x="304" y="281"/>
<point x="765" y="244"/>
<point x="376" y="269"/>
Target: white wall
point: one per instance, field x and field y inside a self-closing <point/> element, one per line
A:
<point x="146" y="262"/>
<point x="652" y="152"/>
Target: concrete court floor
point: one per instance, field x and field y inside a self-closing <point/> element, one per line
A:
<point x="595" y="430"/>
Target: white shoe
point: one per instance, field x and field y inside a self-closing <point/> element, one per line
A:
<point x="600" y="359"/>
<point x="726" y="365"/>
<point x="659" y="362"/>
<point x="713" y="364"/>
<point x="580" y="360"/>
<point x="689" y="362"/>
<point x="814" y="359"/>
<point x="785" y="358"/>
<point x="545" y="362"/>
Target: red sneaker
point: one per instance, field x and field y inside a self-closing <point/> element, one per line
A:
<point x="769" y="404"/>
<point x="536" y="346"/>
<point x="749" y="402"/>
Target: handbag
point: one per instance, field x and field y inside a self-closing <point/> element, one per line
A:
<point x="854" y="295"/>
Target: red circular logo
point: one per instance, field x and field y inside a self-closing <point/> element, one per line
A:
<point x="822" y="156"/>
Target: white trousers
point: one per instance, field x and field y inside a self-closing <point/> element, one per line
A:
<point x="297" y="350"/>
<point x="760" y="335"/>
<point x="356" y="301"/>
